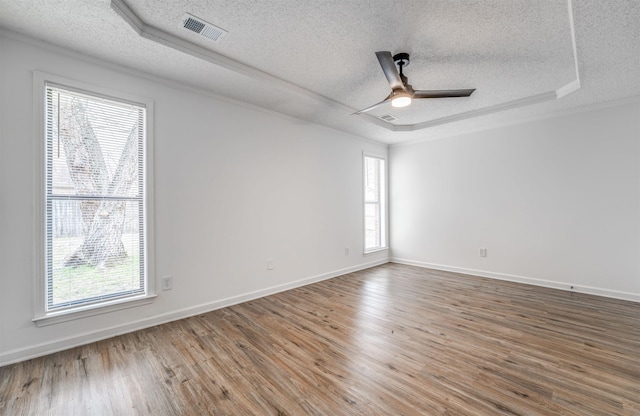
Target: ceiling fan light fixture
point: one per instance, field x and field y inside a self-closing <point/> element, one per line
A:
<point x="402" y="100"/>
<point x="402" y="93"/>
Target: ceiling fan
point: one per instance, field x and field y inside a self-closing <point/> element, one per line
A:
<point x="402" y="93"/>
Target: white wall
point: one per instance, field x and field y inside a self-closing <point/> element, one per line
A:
<point x="555" y="202"/>
<point x="233" y="187"/>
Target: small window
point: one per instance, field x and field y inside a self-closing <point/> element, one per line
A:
<point x="375" y="216"/>
<point x="95" y="225"/>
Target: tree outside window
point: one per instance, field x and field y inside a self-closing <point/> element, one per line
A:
<point x="95" y="210"/>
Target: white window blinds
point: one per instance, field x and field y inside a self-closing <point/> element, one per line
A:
<point x="374" y="203"/>
<point x="94" y="197"/>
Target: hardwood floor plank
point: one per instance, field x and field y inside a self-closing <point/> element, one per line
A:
<point x="393" y="339"/>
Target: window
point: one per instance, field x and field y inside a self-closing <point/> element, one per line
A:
<point x="375" y="216"/>
<point x="95" y="209"/>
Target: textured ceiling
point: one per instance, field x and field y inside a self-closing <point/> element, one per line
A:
<point x="315" y="60"/>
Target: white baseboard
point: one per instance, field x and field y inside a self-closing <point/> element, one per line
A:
<point x="23" y="354"/>
<point x="571" y="287"/>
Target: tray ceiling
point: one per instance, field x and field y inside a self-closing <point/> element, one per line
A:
<point x="315" y="60"/>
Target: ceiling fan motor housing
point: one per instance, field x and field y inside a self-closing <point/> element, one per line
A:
<point x="401" y="59"/>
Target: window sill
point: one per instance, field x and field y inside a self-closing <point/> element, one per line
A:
<point x="375" y="251"/>
<point x="92" y="310"/>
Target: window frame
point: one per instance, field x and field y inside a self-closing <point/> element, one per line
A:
<point x="383" y="204"/>
<point x="42" y="317"/>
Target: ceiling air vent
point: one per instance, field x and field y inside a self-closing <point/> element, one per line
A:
<point x="203" y="28"/>
<point x="389" y="117"/>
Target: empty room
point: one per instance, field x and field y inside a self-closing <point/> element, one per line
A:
<point x="323" y="207"/>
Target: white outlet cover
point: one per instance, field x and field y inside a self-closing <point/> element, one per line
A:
<point x="167" y="283"/>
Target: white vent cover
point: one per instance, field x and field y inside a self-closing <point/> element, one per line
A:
<point x="195" y="24"/>
<point x="389" y="117"/>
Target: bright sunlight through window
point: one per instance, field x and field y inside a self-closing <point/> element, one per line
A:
<point x="375" y="232"/>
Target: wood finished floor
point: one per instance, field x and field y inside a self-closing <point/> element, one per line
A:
<point x="392" y="340"/>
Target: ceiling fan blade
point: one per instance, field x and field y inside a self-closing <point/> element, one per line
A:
<point x="389" y="69"/>
<point x="372" y="107"/>
<point x="443" y="93"/>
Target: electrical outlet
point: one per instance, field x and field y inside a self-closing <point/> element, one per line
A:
<point x="483" y="252"/>
<point x="346" y="251"/>
<point x="166" y="283"/>
<point x="270" y="264"/>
